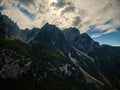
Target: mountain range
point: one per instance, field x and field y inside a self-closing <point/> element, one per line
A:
<point x="48" y="58"/>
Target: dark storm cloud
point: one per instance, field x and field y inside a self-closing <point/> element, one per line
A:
<point x="61" y="3"/>
<point x="68" y="9"/>
<point x="109" y="21"/>
<point x="26" y="2"/>
<point x="76" y="21"/>
<point x="1" y="1"/>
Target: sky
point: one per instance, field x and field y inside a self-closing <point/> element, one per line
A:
<point x="99" y="18"/>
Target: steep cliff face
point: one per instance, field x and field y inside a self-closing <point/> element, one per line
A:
<point x="81" y="41"/>
<point x="105" y="57"/>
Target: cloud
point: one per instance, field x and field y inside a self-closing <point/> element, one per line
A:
<point x="109" y="31"/>
<point x="26" y="2"/>
<point x="104" y="15"/>
<point x="109" y="22"/>
<point x="30" y="5"/>
<point x="118" y="45"/>
<point x="76" y="21"/>
<point x="61" y="3"/>
<point x="68" y="9"/>
<point x="103" y="27"/>
<point x="1" y="2"/>
<point x="96" y="35"/>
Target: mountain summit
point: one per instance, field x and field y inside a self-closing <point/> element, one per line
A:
<point x="52" y="59"/>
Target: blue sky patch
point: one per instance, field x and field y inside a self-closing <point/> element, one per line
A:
<point x="2" y="8"/>
<point x="27" y="13"/>
<point x="111" y="38"/>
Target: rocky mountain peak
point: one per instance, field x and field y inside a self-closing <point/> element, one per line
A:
<point x="49" y="27"/>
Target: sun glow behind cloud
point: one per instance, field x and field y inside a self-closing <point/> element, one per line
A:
<point x="55" y="1"/>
